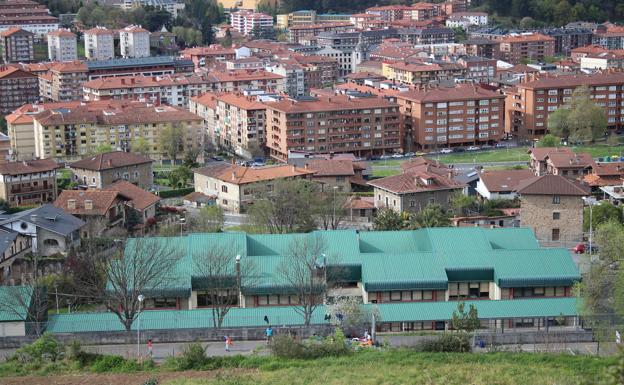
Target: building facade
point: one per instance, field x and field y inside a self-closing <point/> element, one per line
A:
<point x="30" y="182"/>
<point x="63" y="82"/>
<point x="99" y="43"/>
<point x="17" y="87"/>
<point x="17" y="46"/>
<point x="62" y="46"/>
<point x="249" y="23"/>
<point x="107" y="168"/>
<point x="134" y="42"/>
<point x="515" y="49"/>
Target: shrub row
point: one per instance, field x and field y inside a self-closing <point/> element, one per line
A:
<point x="175" y="192"/>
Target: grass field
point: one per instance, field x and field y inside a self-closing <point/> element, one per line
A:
<point x="365" y="367"/>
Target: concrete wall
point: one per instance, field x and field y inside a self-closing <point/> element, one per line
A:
<point x="12" y="329"/>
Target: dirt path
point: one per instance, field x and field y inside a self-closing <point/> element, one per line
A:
<point x="113" y="379"/>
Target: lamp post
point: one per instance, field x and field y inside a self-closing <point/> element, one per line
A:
<point x="182" y="221"/>
<point x="324" y="256"/>
<point x="141" y="298"/>
<point x="238" y="280"/>
<point x="334" y="207"/>
<point x="590" y="201"/>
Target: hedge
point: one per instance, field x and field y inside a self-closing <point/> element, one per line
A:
<point x="175" y="193"/>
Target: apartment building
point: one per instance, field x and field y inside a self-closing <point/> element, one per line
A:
<point x="529" y="103"/>
<point x="567" y="39"/>
<point x="424" y="73"/>
<point x="467" y="19"/>
<point x="144" y="66"/>
<point x="240" y="80"/>
<point x="99" y="44"/>
<point x="426" y="36"/>
<point x="17" y="87"/>
<point x="298" y="33"/>
<point x="62" y="45"/>
<point x="293" y="74"/>
<point x="481" y="47"/>
<point x="516" y="48"/>
<point x="134" y="42"/>
<point x="17" y="46"/>
<point x="443" y="117"/>
<point x="478" y="69"/>
<point x="249" y="23"/>
<point x="611" y="38"/>
<point x="239" y="122"/>
<point x="424" y="11"/>
<point x="318" y="71"/>
<point x="171" y="6"/>
<point x="391" y="12"/>
<point x="205" y="56"/>
<point x="30" y="182"/>
<point x="63" y="81"/>
<point x="28" y="15"/>
<point x="362" y="124"/>
<point x="71" y="133"/>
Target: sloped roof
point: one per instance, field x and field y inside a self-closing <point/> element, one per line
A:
<point x="139" y="198"/>
<point x="101" y="200"/>
<point x="331" y="167"/>
<point x="574" y="160"/>
<point x="15" y="299"/>
<point x="504" y="180"/>
<point x="241" y="175"/>
<point x="415" y="180"/>
<point x="48" y="217"/>
<point x="110" y="160"/>
<point x="28" y="167"/>
<point x="551" y="185"/>
<point x="540" y="153"/>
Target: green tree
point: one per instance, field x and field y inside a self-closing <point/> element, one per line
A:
<point x="615" y="373"/>
<point x="209" y="219"/>
<point x="559" y="123"/>
<point x="433" y="215"/>
<point x="190" y="158"/>
<point x="465" y="321"/>
<point x="461" y="203"/>
<point x="460" y="34"/>
<point x="549" y="140"/>
<point x="180" y="176"/>
<point x="172" y="141"/>
<point x="141" y="146"/>
<point x="580" y="120"/>
<point x="227" y="40"/>
<point x="102" y="148"/>
<point x="603" y="212"/>
<point x="387" y="220"/>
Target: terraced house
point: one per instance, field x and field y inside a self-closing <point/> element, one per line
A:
<point x="414" y="278"/>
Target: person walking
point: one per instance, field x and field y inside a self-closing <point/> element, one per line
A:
<point x="150" y="347"/>
<point x="269" y="334"/>
<point x="228" y="343"/>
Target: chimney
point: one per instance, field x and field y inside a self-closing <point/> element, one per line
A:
<point x="71" y="204"/>
<point x="88" y="204"/>
<point x="294" y="169"/>
<point x="33" y="217"/>
<point x="233" y="176"/>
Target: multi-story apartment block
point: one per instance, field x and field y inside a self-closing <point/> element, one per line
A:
<point x="30" y="182"/>
<point x="17" y="87"/>
<point x="301" y="32"/>
<point x="240" y="80"/>
<point x="604" y="60"/>
<point x="467" y="19"/>
<point x="295" y="19"/>
<point x="422" y="73"/>
<point x="71" y="133"/>
<point x="171" y="6"/>
<point x="530" y="46"/>
<point x="17" y="46"/>
<point x="63" y="81"/>
<point x="62" y="45"/>
<point x="239" y="122"/>
<point x="99" y="43"/>
<point x="319" y="71"/>
<point x="249" y="23"/>
<point x="293" y="74"/>
<point x="364" y="125"/>
<point x="424" y="11"/>
<point x="107" y="168"/>
<point x="144" y="66"/>
<point x="28" y="15"/>
<point x="528" y="104"/>
<point x="567" y="39"/>
<point x="391" y="12"/>
<point x="134" y="42"/>
<point x="611" y="38"/>
<point x="478" y="69"/>
<point x="481" y="47"/>
<point x="426" y="36"/>
<point x="205" y="56"/>
<point x="452" y="116"/>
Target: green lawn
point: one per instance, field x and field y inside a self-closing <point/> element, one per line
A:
<point x="405" y="367"/>
<point x="41" y="52"/>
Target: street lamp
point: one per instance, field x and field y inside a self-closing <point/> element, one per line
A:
<point x="334" y="207"/>
<point x="182" y="221"/>
<point x="141" y="298"/>
<point x="590" y="201"/>
<point x="238" y="280"/>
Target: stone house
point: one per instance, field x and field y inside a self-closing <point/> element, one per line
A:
<point x="103" y="169"/>
<point x="100" y="209"/>
<point x="139" y="201"/>
<point x="552" y="206"/>
<point x="338" y="173"/>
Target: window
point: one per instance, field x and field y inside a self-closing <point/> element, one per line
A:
<point x="458" y="290"/>
<point x="224" y="189"/>
<point x="207" y="299"/>
<point x="555" y="234"/>
<point x="165" y="303"/>
<point x="556" y="199"/>
<point x="556" y="215"/>
<point x="50" y="242"/>
<point x="395" y="296"/>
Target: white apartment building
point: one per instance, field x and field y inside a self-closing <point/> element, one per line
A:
<point x="99" y="43"/>
<point x="246" y="21"/>
<point x="134" y="41"/>
<point x="62" y="45"/>
<point x="171" y="6"/>
<point x="467" y="19"/>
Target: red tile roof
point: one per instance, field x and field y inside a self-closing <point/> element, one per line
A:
<point x="534" y="37"/>
<point x="330" y="167"/>
<point x="62" y="33"/>
<point x="597" y="79"/>
<point x="504" y="180"/>
<point x="242" y="175"/>
<point x="457" y="92"/>
<point x="334" y="103"/>
<point x="575" y="160"/>
<point x="101" y="200"/>
<point x="13" y="31"/>
<point x="110" y="160"/>
<point x="138" y="198"/>
<point x="541" y="153"/>
<point x="28" y="167"/>
<point x="551" y="185"/>
<point x="416" y="180"/>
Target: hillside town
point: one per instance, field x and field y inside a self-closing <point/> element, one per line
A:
<point x="223" y="172"/>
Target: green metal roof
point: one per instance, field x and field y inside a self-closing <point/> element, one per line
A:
<point x="391" y="260"/>
<point x="278" y="316"/>
<point x="13" y="303"/>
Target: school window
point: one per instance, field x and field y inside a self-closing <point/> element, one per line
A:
<point x="165" y="303"/>
<point x="459" y="290"/>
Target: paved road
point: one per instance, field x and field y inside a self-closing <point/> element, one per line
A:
<point x="460" y="166"/>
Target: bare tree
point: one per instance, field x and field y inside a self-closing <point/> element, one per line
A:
<point x="28" y="301"/>
<point x="304" y="269"/>
<point x="221" y="274"/>
<point x="331" y="209"/>
<point x="145" y="268"/>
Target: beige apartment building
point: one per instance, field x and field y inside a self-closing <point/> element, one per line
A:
<point x="30" y="182"/>
<point x="409" y="73"/>
<point x="529" y="104"/>
<point x="234" y="186"/>
<point x="365" y="125"/>
<point x="462" y="115"/>
<point x="99" y="43"/>
<point x="72" y="133"/>
<point x="17" y="46"/>
<point x="104" y="169"/>
<point x="63" y="81"/>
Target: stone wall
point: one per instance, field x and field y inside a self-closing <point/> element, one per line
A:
<point x="537" y="213"/>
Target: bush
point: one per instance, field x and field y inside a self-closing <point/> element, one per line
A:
<point x="45" y="348"/>
<point x="448" y="342"/>
<point x="175" y="193"/>
<point x="286" y="347"/>
<point x="108" y="364"/>
<point x="193" y="357"/>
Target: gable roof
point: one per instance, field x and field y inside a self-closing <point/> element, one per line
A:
<point x="28" y="167"/>
<point x="540" y="153"/>
<point x="139" y="198"/>
<point x="573" y="160"/>
<point x="415" y="180"/>
<point x="102" y="201"/>
<point x="551" y="185"/>
<point x="48" y="217"/>
<point x="504" y="180"/>
<point x="241" y="175"/>
<point x="331" y="167"/>
<point x="110" y="160"/>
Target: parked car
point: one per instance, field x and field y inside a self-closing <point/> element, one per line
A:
<point x="473" y="148"/>
<point x="446" y="151"/>
<point x="384" y="157"/>
<point x="396" y="156"/>
<point x="501" y="145"/>
<point x="419" y="153"/>
<point x="487" y="147"/>
<point x="582" y="248"/>
<point x="409" y="155"/>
